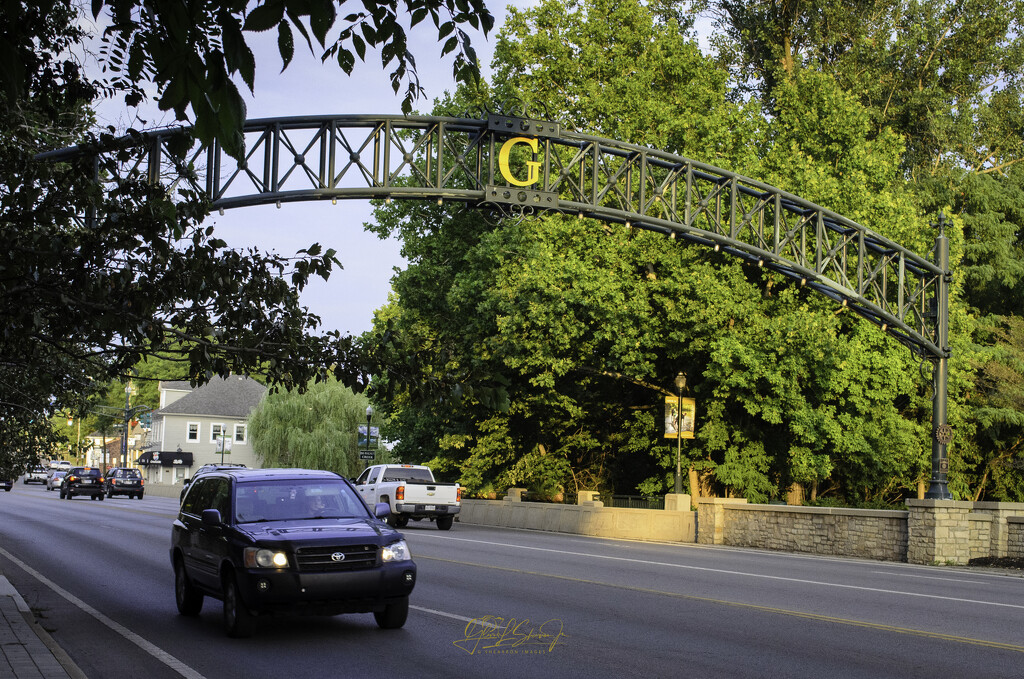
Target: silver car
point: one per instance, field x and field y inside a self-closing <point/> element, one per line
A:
<point x="54" y="478"/>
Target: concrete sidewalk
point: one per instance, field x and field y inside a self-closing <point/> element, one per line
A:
<point x="26" y="649"/>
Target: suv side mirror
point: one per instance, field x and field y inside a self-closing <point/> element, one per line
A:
<point x="381" y="510"/>
<point x="211" y="517"/>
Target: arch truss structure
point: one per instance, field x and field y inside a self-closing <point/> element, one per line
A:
<point x="516" y="166"/>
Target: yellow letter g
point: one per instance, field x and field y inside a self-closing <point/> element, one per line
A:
<point x="533" y="166"/>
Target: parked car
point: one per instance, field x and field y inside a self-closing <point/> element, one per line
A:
<point x="212" y="467"/>
<point x="124" y="481"/>
<point x="54" y="478"/>
<point x="36" y="474"/>
<point x="82" y="481"/>
<point x="7" y="484"/>
<point x="287" y="540"/>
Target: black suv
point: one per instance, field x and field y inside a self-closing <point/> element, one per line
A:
<point x="82" y="481"/>
<point x="212" y="467"/>
<point x="287" y="540"/>
<point x="124" y="481"/>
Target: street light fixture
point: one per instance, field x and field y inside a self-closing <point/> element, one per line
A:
<point x="680" y="385"/>
<point x="368" y="455"/>
<point x="124" y="433"/>
<point x="369" y="416"/>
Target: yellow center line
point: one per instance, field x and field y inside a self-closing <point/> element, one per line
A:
<point x="765" y="609"/>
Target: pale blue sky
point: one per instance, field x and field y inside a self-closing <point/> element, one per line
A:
<point x="347" y="301"/>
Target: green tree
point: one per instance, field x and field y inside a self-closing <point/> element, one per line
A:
<point x="313" y="430"/>
<point x="945" y="78"/>
<point x="584" y="325"/>
<point x="190" y="51"/>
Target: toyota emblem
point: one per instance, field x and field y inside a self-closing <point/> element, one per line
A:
<point x="338" y="556"/>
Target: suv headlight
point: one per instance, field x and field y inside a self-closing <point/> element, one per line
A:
<point x="257" y="557"/>
<point x="396" y="551"/>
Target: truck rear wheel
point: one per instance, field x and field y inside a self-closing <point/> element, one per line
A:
<point x="444" y="522"/>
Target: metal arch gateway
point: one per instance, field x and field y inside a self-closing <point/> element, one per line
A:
<point x="521" y="166"/>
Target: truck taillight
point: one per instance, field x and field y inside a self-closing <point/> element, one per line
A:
<point x="400" y="493"/>
<point x="458" y="494"/>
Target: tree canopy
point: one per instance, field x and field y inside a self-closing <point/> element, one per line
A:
<point x="94" y="281"/>
<point x="313" y="430"/>
<point x="882" y="111"/>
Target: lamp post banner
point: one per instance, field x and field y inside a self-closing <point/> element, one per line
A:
<point x="673" y="425"/>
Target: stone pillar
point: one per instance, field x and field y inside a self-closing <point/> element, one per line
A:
<point x="711" y="519"/>
<point x="678" y="502"/>
<point x="589" y="498"/>
<point x="514" y="495"/>
<point x="938" y="532"/>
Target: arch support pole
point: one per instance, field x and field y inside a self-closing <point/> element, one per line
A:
<point x="941" y="432"/>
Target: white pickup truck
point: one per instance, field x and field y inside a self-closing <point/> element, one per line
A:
<point x="412" y="492"/>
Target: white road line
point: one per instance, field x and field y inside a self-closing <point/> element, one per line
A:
<point x="462" y="618"/>
<point x="153" y="650"/>
<point x="929" y="577"/>
<point x="729" y="572"/>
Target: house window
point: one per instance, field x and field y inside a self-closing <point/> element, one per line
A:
<point x="216" y="431"/>
<point x="239" y="433"/>
<point x="193" y="431"/>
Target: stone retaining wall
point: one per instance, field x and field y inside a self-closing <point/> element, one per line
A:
<point x="864" y="533"/>
<point x="927" y="532"/>
<point x="590" y="517"/>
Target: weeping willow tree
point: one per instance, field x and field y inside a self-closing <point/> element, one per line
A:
<point x="314" y="430"/>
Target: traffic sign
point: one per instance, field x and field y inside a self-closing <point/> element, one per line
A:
<point x="365" y="454"/>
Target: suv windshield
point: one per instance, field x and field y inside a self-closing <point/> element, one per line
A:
<point x="288" y="500"/>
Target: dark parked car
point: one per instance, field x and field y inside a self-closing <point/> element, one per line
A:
<point x="82" y="481"/>
<point x="212" y="467"/>
<point x="124" y="481"/>
<point x="7" y="484"/>
<point x="287" y="541"/>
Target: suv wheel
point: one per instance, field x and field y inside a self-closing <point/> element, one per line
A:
<point x="99" y="497"/>
<point x="187" y="597"/>
<point x="238" y="621"/>
<point x="394" y="615"/>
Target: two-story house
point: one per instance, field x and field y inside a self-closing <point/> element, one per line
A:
<point x="198" y="426"/>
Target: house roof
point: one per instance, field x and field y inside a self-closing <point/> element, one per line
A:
<point x="235" y="397"/>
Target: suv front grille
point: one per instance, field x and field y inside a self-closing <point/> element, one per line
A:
<point x="322" y="559"/>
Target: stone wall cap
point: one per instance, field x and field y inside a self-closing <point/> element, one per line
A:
<point x="722" y="500"/>
<point x="1015" y="519"/>
<point x="1001" y="506"/>
<point x="836" y="511"/>
<point x="945" y="504"/>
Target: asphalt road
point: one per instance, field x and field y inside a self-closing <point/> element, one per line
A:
<point x="507" y="603"/>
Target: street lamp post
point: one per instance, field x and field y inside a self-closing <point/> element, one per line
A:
<point x="680" y="385"/>
<point x="124" y="433"/>
<point x="369" y="416"/>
